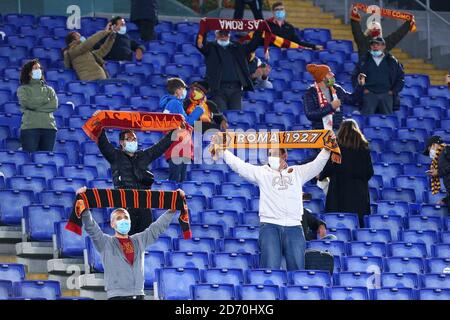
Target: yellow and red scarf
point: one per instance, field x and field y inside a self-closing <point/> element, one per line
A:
<point x="435" y="181"/>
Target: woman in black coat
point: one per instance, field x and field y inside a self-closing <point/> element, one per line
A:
<point x="349" y="181"/>
<point x="144" y="13"/>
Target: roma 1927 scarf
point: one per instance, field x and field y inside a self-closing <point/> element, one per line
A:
<point x="435" y="181"/>
<point x="302" y="139"/>
<point x="131" y="198"/>
<point x="388" y="13"/>
<point x="140" y="121"/>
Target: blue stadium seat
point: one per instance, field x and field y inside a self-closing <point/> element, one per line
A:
<point x="315" y="205"/>
<point x="10" y="73"/>
<point x="436" y="281"/>
<point x="152" y="261"/>
<point x="441" y="250"/>
<point x="17" y="157"/>
<point x="434" y="112"/>
<point x="11" y="120"/>
<point x="316" y="35"/>
<point x="304" y="55"/>
<point x="236" y="189"/>
<point x="341" y="220"/>
<point x="238" y="204"/>
<point x="8" y="169"/>
<point x="94" y="257"/>
<point x="40" y="220"/>
<point x="69" y="147"/>
<point x="217" y="177"/>
<point x="404" y="145"/>
<point x="405" y="264"/>
<point x="207" y="231"/>
<point x="304" y="293"/>
<point x="356" y="279"/>
<point x="206" y="189"/>
<point x="409" y="250"/>
<point x="232" y="260"/>
<point x="400" y="280"/>
<point x="241" y="116"/>
<point x="113" y="101"/>
<point x="51" y="198"/>
<point x="397" y="157"/>
<point x="58" y="158"/>
<point x="310" y="278"/>
<point x="70" y="245"/>
<point x="78" y="171"/>
<point x="250" y="218"/>
<point x="10" y="213"/>
<point x="61" y="75"/>
<point x="363" y="264"/>
<point x="91" y="25"/>
<point x="393" y="294"/>
<point x="412" y="133"/>
<point x="348" y="293"/>
<point x="226" y="218"/>
<point x="427" y="123"/>
<point x="388" y="171"/>
<point x="240" y="246"/>
<point x="15" y="53"/>
<point x="245" y="232"/>
<point x="197" y="203"/>
<point x="365" y="248"/>
<point x="434" y="294"/>
<point x="53" y="54"/>
<point x="174" y="283"/>
<point x="88" y="89"/>
<point x="213" y="292"/>
<point x="400" y="208"/>
<point x="52" y="42"/>
<point x="438" y="91"/>
<point x="19" y="19"/>
<point x="35" y="184"/>
<point x="427" y="237"/>
<point x="260" y="107"/>
<point x="52" y="21"/>
<point x="438" y="265"/>
<point x="268" y="95"/>
<point x="163" y="243"/>
<point x="74" y="134"/>
<point x="392" y="222"/>
<point x="267" y="277"/>
<point x="399" y="194"/>
<point x="258" y="292"/>
<point x="98" y="161"/>
<point x="425" y="223"/>
<point x="343" y="234"/>
<point x="6" y="289"/>
<point x="223" y="276"/>
<point x="335" y="247"/>
<point x="332" y="56"/>
<point x="67" y="184"/>
<point x="368" y="235"/>
<point x="195" y="245"/>
<point x="48" y="289"/>
<point x="430" y="101"/>
<point x="13" y="272"/>
<point x="340" y="45"/>
<point x="382" y="121"/>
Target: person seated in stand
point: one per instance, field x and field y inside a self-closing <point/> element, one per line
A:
<point x="259" y="72"/>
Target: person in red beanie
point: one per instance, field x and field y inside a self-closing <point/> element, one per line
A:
<point x="323" y="100"/>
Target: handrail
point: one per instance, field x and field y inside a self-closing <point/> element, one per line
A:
<point x="428" y="9"/>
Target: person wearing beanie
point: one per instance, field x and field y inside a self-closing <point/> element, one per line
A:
<point x="374" y="30"/>
<point x="439" y="153"/>
<point x="323" y="100"/>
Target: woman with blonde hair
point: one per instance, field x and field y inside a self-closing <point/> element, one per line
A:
<point x="349" y="181"/>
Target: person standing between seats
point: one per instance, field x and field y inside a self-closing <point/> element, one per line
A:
<point x="37" y="102"/>
<point x="124" y="47"/>
<point x="439" y="153"/>
<point x="129" y="167"/>
<point x="323" y="100"/>
<point x="227" y="71"/>
<point x="255" y="5"/>
<point x="144" y="13"/>
<point x="374" y="30"/>
<point x="349" y="182"/>
<point x="280" y="206"/>
<point x="385" y="79"/>
<point x="122" y="254"/>
<point x="180" y="153"/>
<point x="81" y="56"/>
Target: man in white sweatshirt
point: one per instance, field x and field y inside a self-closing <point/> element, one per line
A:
<point x="280" y="204"/>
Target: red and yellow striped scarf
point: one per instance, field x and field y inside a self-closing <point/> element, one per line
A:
<point x="435" y="181"/>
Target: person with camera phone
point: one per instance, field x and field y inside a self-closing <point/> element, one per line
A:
<point x="129" y="167"/>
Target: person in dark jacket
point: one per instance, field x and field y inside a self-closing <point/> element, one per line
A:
<point x="144" y="13"/>
<point x="323" y="100"/>
<point x="439" y="153"/>
<point x="385" y="79"/>
<point x="280" y="27"/>
<point x="255" y="5"/>
<point x="123" y="47"/>
<point x="313" y="228"/>
<point x="349" y="181"/>
<point x="227" y="71"/>
<point x="362" y="39"/>
<point x="129" y="167"/>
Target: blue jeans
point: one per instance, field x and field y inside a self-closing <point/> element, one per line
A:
<point x="277" y="241"/>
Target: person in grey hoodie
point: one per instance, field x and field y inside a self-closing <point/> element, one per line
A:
<point x="122" y="255"/>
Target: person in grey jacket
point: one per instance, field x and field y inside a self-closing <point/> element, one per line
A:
<point x="122" y="255"/>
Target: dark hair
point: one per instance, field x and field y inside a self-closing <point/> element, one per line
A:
<point x="115" y="19"/>
<point x="276" y="4"/>
<point x="173" y="84"/>
<point x="26" y="70"/>
<point x="123" y="133"/>
<point x="282" y="150"/>
<point x="350" y="136"/>
<point x="70" y="37"/>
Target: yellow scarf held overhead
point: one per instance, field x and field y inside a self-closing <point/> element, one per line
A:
<point x="301" y="139"/>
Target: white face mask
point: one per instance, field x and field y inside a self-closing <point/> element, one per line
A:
<point x="223" y="43"/>
<point x="274" y="162"/>
<point x="432" y="154"/>
<point x="131" y="146"/>
<point x="36" y="74"/>
<point x="122" y="30"/>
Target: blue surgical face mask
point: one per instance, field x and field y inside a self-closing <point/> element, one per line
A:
<point x="122" y="30"/>
<point x="36" y="74"/>
<point x="131" y="146"/>
<point x="223" y="43"/>
<point x="82" y="39"/>
<point x="123" y="226"/>
<point x="280" y="14"/>
<point x="184" y="94"/>
<point x="376" y="53"/>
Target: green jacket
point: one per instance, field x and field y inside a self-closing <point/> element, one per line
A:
<point x="89" y="63"/>
<point x="37" y="103"/>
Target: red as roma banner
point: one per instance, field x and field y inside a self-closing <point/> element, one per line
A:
<point x="388" y="13"/>
<point x="140" y="121"/>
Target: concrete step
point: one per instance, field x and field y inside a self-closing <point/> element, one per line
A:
<point x="42" y="250"/>
<point x="36" y="276"/>
<point x="8" y="259"/>
<point x="318" y="22"/>
<point x="9" y="236"/>
<point x="70" y="293"/>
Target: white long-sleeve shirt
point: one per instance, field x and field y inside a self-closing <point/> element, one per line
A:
<point x="281" y="193"/>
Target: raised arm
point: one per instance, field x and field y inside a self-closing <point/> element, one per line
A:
<point x="254" y="42"/>
<point x="93" y="230"/>
<point x="89" y="44"/>
<point x="157" y="150"/>
<point x="152" y="233"/>
<point x="358" y="34"/>
<point x="313" y="168"/>
<point x="106" y="47"/>
<point x="395" y="37"/>
<point x="105" y="147"/>
<point x="246" y="170"/>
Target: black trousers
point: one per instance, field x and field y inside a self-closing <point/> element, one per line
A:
<point x="255" y="5"/>
<point x="141" y="219"/>
<point x="128" y="298"/>
<point x="37" y="139"/>
<point x="228" y="97"/>
<point x="147" y="29"/>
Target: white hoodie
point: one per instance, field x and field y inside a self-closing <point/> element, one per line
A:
<point x="281" y="193"/>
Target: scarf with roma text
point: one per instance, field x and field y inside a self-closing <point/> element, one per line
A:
<point x="301" y="139"/>
<point x="140" y="121"/>
<point x="130" y="198"/>
<point x="387" y="13"/>
<point x="435" y="181"/>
